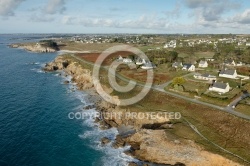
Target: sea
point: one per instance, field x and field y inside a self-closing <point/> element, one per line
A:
<point x="35" y="129"/>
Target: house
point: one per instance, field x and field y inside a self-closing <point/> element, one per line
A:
<point x="171" y="44"/>
<point x="140" y="61"/>
<point x="205" y="76"/>
<point x="203" y="64"/>
<point x="127" y="60"/>
<point x="239" y="64"/>
<point x="231" y="73"/>
<point x="188" y="67"/>
<point x="124" y="60"/>
<point x="248" y="44"/>
<point x="120" y="58"/>
<point x="230" y="62"/>
<point x="210" y="59"/>
<point x="220" y="87"/>
<point x="148" y="65"/>
<point x="177" y="64"/>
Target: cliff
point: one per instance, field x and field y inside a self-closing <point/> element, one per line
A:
<point x="147" y="137"/>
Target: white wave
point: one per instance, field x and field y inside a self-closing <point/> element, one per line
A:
<point x="37" y="70"/>
<point x="114" y="157"/>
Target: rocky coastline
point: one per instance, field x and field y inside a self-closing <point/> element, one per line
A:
<point x="147" y="137"/>
<point x="33" y="47"/>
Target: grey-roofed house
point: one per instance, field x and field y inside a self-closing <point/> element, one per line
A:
<point x="188" y="67"/>
<point x="177" y="64"/>
<point x="205" y="76"/>
<point x="149" y="65"/>
<point x="220" y="87"/>
<point x="230" y="73"/>
<point x="230" y="62"/>
<point x="203" y="64"/>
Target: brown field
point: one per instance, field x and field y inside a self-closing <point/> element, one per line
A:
<point x="92" y="57"/>
<point x="141" y="76"/>
<point x="243" y="70"/>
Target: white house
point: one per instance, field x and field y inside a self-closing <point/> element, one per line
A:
<point x="149" y="65"/>
<point x="231" y="73"/>
<point x="140" y="61"/>
<point x="248" y="44"/>
<point x="210" y="59"/>
<point x="203" y="64"/>
<point x="220" y="87"/>
<point x="127" y="60"/>
<point x="171" y="44"/>
<point x="120" y="58"/>
<point x="206" y="76"/>
<point x="188" y="67"/>
<point x="124" y="60"/>
<point x="177" y="64"/>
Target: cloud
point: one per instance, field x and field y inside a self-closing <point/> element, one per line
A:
<point x="142" y="22"/>
<point x="175" y="13"/>
<point x="243" y="18"/>
<point x="7" y="7"/>
<point x="55" y="6"/>
<point x="211" y="10"/>
<point x="198" y="3"/>
<point x="41" y="18"/>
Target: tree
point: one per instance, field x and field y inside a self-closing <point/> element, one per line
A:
<point x="178" y="81"/>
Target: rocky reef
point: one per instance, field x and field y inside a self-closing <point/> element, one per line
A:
<point x="34" y="47"/>
<point x="147" y="137"/>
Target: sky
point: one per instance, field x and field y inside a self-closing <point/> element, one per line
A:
<point x="125" y="16"/>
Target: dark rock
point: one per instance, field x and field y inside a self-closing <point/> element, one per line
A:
<point x="65" y="64"/>
<point x="153" y="126"/>
<point x="89" y="107"/>
<point x="66" y="82"/>
<point x="105" y="140"/>
<point x="119" y="142"/>
<point x="133" y="164"/>
<point x="55" y="68"/>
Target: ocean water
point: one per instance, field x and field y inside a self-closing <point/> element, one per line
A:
<point x="34" y="126"/>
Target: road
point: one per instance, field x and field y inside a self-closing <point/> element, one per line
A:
<point x="160" y="88"/>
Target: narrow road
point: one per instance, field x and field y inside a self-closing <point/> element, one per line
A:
<point x="161" y="89"/>
<point x="234" y="103"/>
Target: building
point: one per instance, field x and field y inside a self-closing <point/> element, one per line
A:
<point x="124" y="60"/>
<point x="248" y="44"/>
<point x="177" y="65"/>
<point x="149" y="65"/>
<point x="230" y="62"/>
<point x="210" y="59"/>
<point x="231" y="73"/>
<point x="127" y="60"/>
<point x="203" y="64"/>
<point x="171" y="44"/>
<point x="206" y="76"/>
<point x="188" y="67"/>
<point x="140" y="61"/>
<point x="220" y="87"/>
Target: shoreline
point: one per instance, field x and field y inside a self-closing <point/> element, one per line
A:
<point x="82" y="78"/>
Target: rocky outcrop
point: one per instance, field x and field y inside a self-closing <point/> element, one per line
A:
<point x="81" y="76"/>
<point x="155" y="146"/>
<point x="38" y="48"/>
<point x="116" y="116"/>
<point x="58" y="64"/>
